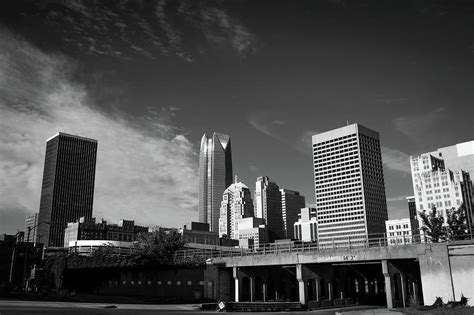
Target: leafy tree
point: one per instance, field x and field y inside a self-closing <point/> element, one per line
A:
<point x="158" y="247"/>
<point x="437" y="230"/>
<point x="433" y="225"/>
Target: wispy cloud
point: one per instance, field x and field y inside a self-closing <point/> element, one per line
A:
<point x="395" y="160"/>
<point x="128" y="29"/>
<point x="146" y="169"/>
<point x="415" y="126"/>
<point x="267" y="123"/>
<point x="304" y="142"/>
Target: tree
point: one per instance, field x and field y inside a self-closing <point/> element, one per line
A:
<point x="433" y="225"/>
<point x="437" y="230"/>
<point x="158" y="247"/>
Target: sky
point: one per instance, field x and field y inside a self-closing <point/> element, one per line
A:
<point x="148" y="78"/>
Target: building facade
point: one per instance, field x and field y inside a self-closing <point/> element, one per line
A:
<point x="458" y="157"/>
<point x="268" y="206"/>
<point x="349" y="185"/>
<point x="89" y="229"/>
<point x="31" y="222"/>
<point x="435" y="185"/>
<point x="291" y="204"/>
<point x="412" y="207"/>
<point x="402" y="231"/>
<point x="306" y="228"/>
<point x="198" y="233"/>
<point x="252" y="229"/>
<point x="215" y="175"/>
<point x="67" y="191"/>
<point x="236" y="204"/>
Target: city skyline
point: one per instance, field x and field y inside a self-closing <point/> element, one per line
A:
<point x="268" y="76"/>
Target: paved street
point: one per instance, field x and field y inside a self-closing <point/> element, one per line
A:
<point x="39" y="307"/>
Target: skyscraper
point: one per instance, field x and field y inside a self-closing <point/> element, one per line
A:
<point x="458" y="157"/>
<point x="215" y="175"/>
<point x="412" y="207"/>
<point x="291" y="204"/>
<point x="67" y="192"/>
<point x="349" y="185"/>
<point x="236" y="204"/>
<point x="268" y="207"/>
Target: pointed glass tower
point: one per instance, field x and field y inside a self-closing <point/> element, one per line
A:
<point x="215" y="175"/>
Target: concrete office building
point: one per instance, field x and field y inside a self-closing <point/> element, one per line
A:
<point x="198" y="233"/>
<point x="268" y="206"/>
<point x="350" y="192"/>
<point x="67" y="191"/>
<point x="236" y="204"/>
<point x="252" y="229"/>
<point x="291" y="204"/>
<point x="412" y="207"/>
<point x="305" y="229"/>
<point x="402" y="231"/>
<point x="435" y="185"/>
<point x="31" y="223"/>
<point x="215" y="175"/>
<point x="458" y="157"/>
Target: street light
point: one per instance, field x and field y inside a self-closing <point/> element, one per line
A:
<point x="26" y="250"/>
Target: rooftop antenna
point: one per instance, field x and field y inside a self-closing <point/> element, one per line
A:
<point x="236" y="179"/>
<point x="347" y="121"/>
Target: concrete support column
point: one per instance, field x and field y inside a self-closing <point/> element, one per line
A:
<point x="388" y="283"/>
<point x="330" y="291"/>
<point x="318" y="289"/>
<point x="302" y="287"/>
<point x="264" y="290"/>
<point x="252" y="288"/>
<point x="235" y="274"/>
<point x="403" y="285"/>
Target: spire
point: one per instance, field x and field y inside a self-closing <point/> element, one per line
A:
<point x="236" y="179"/>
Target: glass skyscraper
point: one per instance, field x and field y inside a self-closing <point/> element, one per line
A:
<point x="215" y="175"/>
<point x="67" y="192"/>
<point x="350" y="192"/>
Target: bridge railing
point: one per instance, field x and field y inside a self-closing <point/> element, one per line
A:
<point x="372" y="241"/>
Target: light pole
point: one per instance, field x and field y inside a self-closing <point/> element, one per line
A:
<point x="25" y="281"/>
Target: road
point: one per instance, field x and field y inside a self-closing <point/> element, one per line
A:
<point x="8" y="307"/>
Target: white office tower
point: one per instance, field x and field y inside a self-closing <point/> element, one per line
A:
<point x="236" y="204"/>
<point x="458" y="157"/>
<point x="350" y="192"/>
<point x="305" y="229"/>
<point x="435" y="185"/>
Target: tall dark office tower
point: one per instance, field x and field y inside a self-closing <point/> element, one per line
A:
<point x="67" y="192"/>
<point x="412" y="207"/>
<point x="291" y="204"/>
<point x="215" y="175"/>
<point x="268" y="207"/>
<point x="349" y="185"/>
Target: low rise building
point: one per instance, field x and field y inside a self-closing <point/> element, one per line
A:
<point x="402" y="231"/>
<point x="199" y="233"/>
<point x="305" y="228"/>
<point x="88" y="229"/>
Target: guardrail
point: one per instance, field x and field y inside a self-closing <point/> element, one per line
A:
<point x="301" y="247"/>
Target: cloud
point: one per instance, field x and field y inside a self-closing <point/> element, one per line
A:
<point x="268" y="123"/>
<point x="415" y="126"/>
<point x="136" y="29"/>
<point x="304" y="143"/>
<point x="146" y="168"/>
<point x="395" y="160"/>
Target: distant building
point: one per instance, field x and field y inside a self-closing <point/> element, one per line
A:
<point x="349" y="184"/>
<point x="268" y="206"/>
<point x="291" y="204"/>
<point x="88" y="229"/>
<point x="402" y="231"/>
<point x="236" y="204"/>
<point x="215" y="175"/>
<point x="67" y="191"/>
<point x="412" y="207"/>
<point x="198" y="233"/>
<point x="252" y="229"/>
<point x="87" y="247"/>
<point x="435" y="185"/>
<point x="305" y="229"/>
<point x="31" y="222"/>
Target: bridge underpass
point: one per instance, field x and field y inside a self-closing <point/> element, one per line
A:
<point x="329" y="284"/>
<point x="386" y="275"/>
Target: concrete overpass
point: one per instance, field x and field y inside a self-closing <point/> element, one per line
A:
<point x="389" y="275"/>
